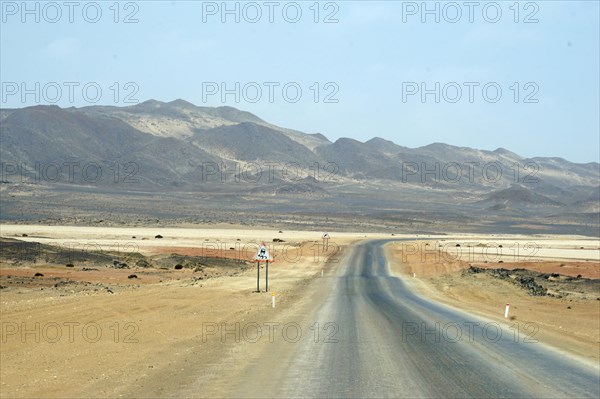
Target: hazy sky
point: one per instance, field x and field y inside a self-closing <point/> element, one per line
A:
<point x="524" y="76"/>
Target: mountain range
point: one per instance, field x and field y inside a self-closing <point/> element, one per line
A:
<point x="176" y="146"/>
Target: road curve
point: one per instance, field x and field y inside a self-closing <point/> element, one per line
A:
<point x="389" y="342"/>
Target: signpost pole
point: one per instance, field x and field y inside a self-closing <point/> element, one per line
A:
<point x="262" y="255"/>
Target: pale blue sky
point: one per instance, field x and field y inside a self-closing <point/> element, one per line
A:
<point x="374" y="51"/>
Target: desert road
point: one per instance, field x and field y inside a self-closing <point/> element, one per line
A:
<point x="388" y="342"/>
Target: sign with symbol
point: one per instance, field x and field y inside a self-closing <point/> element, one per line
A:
<point x="325" y="241"/>
<point x="263" y="254"/>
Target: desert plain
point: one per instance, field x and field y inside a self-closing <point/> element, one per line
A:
<point x="166" y="311"/>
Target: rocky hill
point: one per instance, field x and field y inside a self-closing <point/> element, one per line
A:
<point x="156" y="146"/>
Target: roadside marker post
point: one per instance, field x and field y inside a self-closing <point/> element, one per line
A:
<point x="506" y="311"/>
<point x="273" y="300"/>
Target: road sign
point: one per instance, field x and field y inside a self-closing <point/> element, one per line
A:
<point x="263" y="254"/>
<point x="325" y="241"/>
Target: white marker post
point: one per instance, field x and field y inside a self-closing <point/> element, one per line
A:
<point x="273" y="300"/>
<point x="506" y="311"/>
<point x="321" y="273"/>
<point x="414" y="275"/>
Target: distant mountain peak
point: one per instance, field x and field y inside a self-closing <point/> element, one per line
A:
<point x="235" y="114"/>
<point x="150" y="103"/>
<point x="181" y="103"/>
<point x="320" y="136"/>
<point x="378" y="141"/>
<point x="438" y="146"/>
<point x="347" y="140"/>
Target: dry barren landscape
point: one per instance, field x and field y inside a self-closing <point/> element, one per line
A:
<point x="91" y="327"/>
<point x="299" y="199"/>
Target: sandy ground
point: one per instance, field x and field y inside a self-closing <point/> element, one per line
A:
<point x="151" y="337"/>
<point x="145" y="336"/>
<point x="571" y="323"/>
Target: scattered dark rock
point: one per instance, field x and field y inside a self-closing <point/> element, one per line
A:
<point x="132" y="276"/>
<point x="475" y="269"/>
<point x="70" y="265"/>
<point x="457" y="245"/>
<point x="178" y="267"/>
<point x="568" y="307"/>
<point x="500" y="273"/>
<point x="38" y="275"/>
<point x="534" y="288"/>
<point x="278" y="240"/>
<point x="158" y="236"/>
<point x="120" y="265"/>
<point x="25" y="235"/>
<point x="525" y="282"/>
